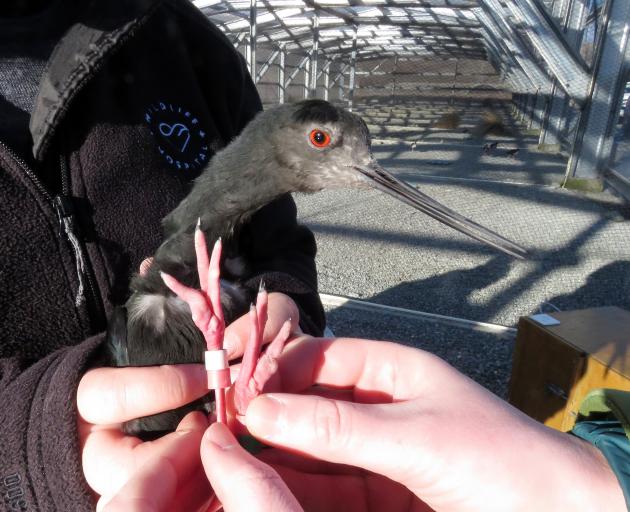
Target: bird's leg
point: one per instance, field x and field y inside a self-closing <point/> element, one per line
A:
<point x="205" y="304"/>
<point x="207" y="315"/>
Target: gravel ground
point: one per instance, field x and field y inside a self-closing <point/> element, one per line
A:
<point x="373" y="248"/>
<point x="460" y="347"/>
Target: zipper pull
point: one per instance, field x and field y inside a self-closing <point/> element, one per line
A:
<point x="68" y="228"/>
<point x="64" y="209"/>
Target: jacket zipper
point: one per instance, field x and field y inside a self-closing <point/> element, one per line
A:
<point x="31" y="175"/>
<point x="63" y="207"/>
<point x="66" y="214"/>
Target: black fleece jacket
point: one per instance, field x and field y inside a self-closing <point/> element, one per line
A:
<point x="136" y="98"/>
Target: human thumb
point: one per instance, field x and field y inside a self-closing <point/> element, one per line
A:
<point x="372" y="437"/>
<point x="240" y="481"/>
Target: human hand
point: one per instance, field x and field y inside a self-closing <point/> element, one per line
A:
<point x="407" y="415"/>
<point x="241" y="481"/>
<point x="107" y="397"/>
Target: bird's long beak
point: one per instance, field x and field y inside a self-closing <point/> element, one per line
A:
<point x="384" y="181"/>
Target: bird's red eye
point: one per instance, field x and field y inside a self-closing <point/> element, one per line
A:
<point x="319" y="138"/>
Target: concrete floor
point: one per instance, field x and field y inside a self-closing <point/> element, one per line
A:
<point x="375" y="249"/>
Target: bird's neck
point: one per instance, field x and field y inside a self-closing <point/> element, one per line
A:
<point x="237" y="188"/>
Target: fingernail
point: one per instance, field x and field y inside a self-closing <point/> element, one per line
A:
<point x="265" y="417"/>
<point x="220" y="436"/>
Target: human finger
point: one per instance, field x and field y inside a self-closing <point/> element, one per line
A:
<point x="145" y="266"/>
<point x="280" y="307"/>
<point x="110" y="458"/>
<point x="151" y="489"/>
<point x="115" y="395"/>
<point x="165" y="475"/>
<point x="372" y="437"/>
<point x="241" y="481"/>
<point x="278" y="457"/>
<point x="348" y="492"/>
<point x="376" y="371"/>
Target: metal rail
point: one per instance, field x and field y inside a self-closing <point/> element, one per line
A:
<point x="500" y="331"/>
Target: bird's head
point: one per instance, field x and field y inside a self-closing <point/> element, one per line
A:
<point x="316" y="145"/>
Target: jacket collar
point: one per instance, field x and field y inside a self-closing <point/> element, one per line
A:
<point x="102" y="26"/>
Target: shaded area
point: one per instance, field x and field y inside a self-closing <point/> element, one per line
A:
<point x="460" y="347"/>
<point x="374" y="248"/>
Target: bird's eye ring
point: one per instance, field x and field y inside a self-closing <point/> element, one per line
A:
<point x="319" y="138"/>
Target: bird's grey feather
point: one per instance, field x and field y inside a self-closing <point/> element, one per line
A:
<point x="272" y="156"/>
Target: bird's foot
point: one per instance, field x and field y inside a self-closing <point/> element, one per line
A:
<point x="205" y="304"/>
<point x="207" y="314"/>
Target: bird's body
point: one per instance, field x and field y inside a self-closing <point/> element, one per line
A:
<point x="262" y="163"/>
<point x="487" y="148"/>
<point x="303" y="147"/>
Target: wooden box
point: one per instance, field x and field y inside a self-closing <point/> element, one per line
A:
<point x="554" y="367"/>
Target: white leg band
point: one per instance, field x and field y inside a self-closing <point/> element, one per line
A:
<point x="216" y="359"/>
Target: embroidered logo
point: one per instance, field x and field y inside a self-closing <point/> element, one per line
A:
<point x="181" y="139"/>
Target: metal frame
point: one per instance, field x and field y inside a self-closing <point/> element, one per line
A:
<point x="574" y="17"/>
<point x="593" y="144"/>
<point x="564" y="62"/>
<point x="533" y="46"/>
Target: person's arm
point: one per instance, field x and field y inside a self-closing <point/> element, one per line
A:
<point x="39" y="469"/>
<point x="409" y="416"/>
<point x="397" y="429"/>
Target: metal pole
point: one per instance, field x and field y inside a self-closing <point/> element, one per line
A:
<point x="307" y="76"/>
<point x="252" y="39"/>
<point x="529" y="111"/>
<point x="511" y="45"/>
<point x="540" y="106"/>
<point x="238" y="40"/>
<point x="563" y="61"/>
<point x="559" y="9"/>
<point x="393" y="91"/>
<point x="520" y="106"/>
<point x="281" y="85"/>
<point x="522" y="102"/>
<point x="296" y="71"/>
<point x="326" y="71"/>
<point x="353" y="62"/>
<point x="314" y="56"/>
<point x="263" y="69"/>
<point x="339" y="77"/>
<point x="573" y="19"/>
<point x="342" y="85"/>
